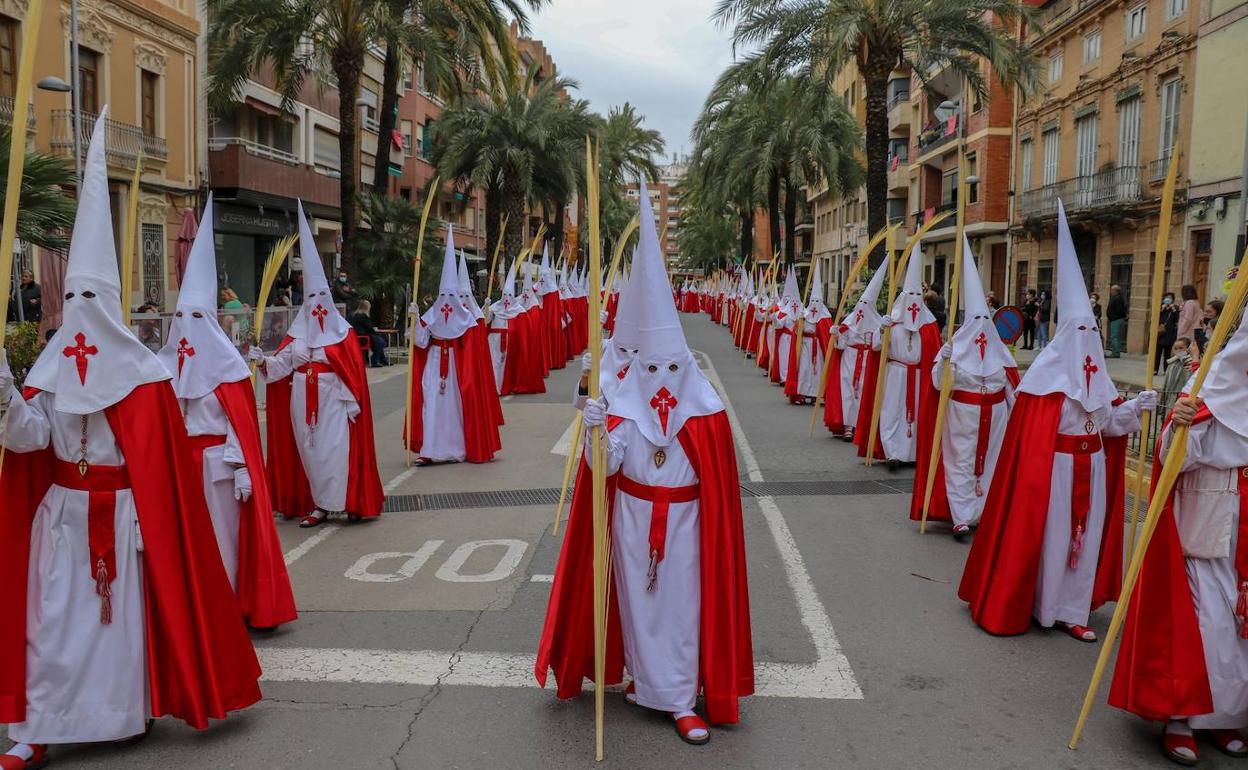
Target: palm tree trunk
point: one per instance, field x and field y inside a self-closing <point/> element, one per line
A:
<point x="747" y="234"/>
<point x="790" y="221"/>
<point x="386" y="122"/>
<point x="877" y="152"/>
<point x="773" y="212"/>
<point x="494" y="218"/>
<point x="512" y="197"/>
<point x="347" y="70"/>
<point x="556" y="226"/>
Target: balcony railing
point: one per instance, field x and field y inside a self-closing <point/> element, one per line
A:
<point x="1107" y="188"/>
<point x="371" y="124"/>
<point x="7" y="107"/>
<point x="898" y="98"/>
<point x="938" y="134"/>
<point x="1158" y="169"/>
<point x="921" y="217"/>
<point x="122" y="141"/>
<point x="216" y="143"/>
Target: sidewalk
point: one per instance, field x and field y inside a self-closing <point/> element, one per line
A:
<point x="1127" y="372"/>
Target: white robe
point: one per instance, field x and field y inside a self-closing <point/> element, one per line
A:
<point x="1064" y="594"/>
<point x="660" y="628"/>
<point x="783" y="320"/>
<point x="205" y="417"/>
<point x="442" y="409"/>
<point x="809" y="362"/>
<point x="899" y="437"/>
<point x="497" y="356"/>
<point x="961" y="439"/>
<point x="851" y="388"/>
<point x="325" y="449"/>
<point x="85" y="681"/>
<point x="1215" y="457"/>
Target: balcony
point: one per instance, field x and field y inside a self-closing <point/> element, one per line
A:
<point x="1158" y="169"/>
<point x="244" y="165"/>
<point x="938" y="134"/>
<point x="7" y="107"/>
<point x="122" y="141"/>
<point x="898" y="173"/>
<point x="899" y="114"/>
<point x="921" y="217"/>
<point x="1116" y="186"/>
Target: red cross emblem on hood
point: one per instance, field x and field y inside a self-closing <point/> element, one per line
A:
<point x="1089" y="369"/>
<point x="663" y="403"/>
<point x="914" y="311"/>
<point x="982" y="342"/>
<point x="446" y="310"/>
<point x="184" y="351"/>
<point x="319" y="312"/>
<point x="80" y="350"/>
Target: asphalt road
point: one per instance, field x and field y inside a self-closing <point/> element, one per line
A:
<point x="415" y="642"/>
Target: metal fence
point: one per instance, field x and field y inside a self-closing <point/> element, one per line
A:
<point x="152" y="329"/>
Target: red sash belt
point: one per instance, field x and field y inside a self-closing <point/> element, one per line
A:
<point x="912" y="391"/>
<point x="312" y="392"/>
<point x="444" y="362"/>
<point x="985" y="402"/>
<point x="859" y="357"/>
<point x="502" y="332"/>
<point x="1081" y="449"/>
<point x="201" y="443"/>
<point x="661" y="499"/>
<point x="101" y="483"/>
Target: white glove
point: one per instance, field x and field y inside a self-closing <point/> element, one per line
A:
<point x="242" y="485"/>
<point x="595" y="413"/>
<point x="413" y="309"/>
<point x="946" y="351"/>
<point x="587" y="362"/>
<point x="255" y="354"/>
<point x="6" y="379"/>
<point x="1147" y="401"/>
<point x="888" y="321"/>
<point x="603" y="316"/>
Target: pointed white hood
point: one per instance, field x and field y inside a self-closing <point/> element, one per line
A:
<point x="1224" y="388"/>
<point x="545" y="276"/>
<point x="508" y="306"/>
<point x="791" y="294"/>
<point x="465" y="289"/>
<point x="664" y="387"/>
<point x="1074" y="360"/>
<point x="197" y="353"/>
<point x="448" y="318"/>
<point x="909" y="310"/>
<point x="816" y="310"/>
<point x="93" y="361"/>
<point x="863" y="318"/>
<point x="977" y="345"/>
<point x="318" y="324"/>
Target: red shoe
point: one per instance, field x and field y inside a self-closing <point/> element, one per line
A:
<point x="37" y="760"/>
<point x="1172" y="742"/>
<point x="1080" y="633"/>
<point x="1223" y="739"/>
<point x="313" y="520"/>
<point x="630" y="694"/>
<point x="688" y="728"/>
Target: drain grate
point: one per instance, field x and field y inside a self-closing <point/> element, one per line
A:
<point x="510" y="498"/>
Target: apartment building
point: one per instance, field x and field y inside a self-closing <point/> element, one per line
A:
<point x="141" y="60"/>
<point x="1117" y="102"/>
<point x="665" y="203"/>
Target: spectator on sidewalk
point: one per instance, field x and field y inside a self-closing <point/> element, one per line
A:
<point x="1178" y="369"/>
<point x="362" y="322"/>
<point x="1044" y="312"/>
<point x="1097" y="312"/>
<point x="1167" y="331"/>
<point x="1116" y="314"/>
<point x="1031" y="311"/>
<point x="29" y="301"/>
<point x="936" y="304"/>
<point x="1212" y="312"/>
<point x="993" y="303"/>
<point x="344" y="292"/>
<point x="1189" y="312"/>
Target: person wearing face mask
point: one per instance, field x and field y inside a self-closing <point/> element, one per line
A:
<point x="1184" y="654"/>
<point x="855" y="362"/>
<point x="1049" y="544"/>
<point x="913" y="346"/>
<point x="801" y="378"/>
<point x="320" y="428"/>
<point x="984" y="378"/>
<point x="449" y="419"/>
<point x="218" y="403"/>
<point x="117" y="608"/>
<point x="679" y="596"/>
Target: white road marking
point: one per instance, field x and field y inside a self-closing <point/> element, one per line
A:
<point x="394" y="483"/>
<point x="497" y="669"/>
<point x="829" y="677"/>
<point x="322" y="534"/>
<point x="513" y="553"/>
<point x="413" y="561"/>
<point x="564" y="444"/>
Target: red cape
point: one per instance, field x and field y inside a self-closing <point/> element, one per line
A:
<point x="762" y="349"/>
<point x="833" y="409"/>
<point x="479" y="346"/>
<point x="288" y="479"/>
<point x="264" y="592"/>
<point x="866" y="405"/>
<point x="999" y="581"/>
<point x="823" y="333"/>
<point x="556" y="347"/>
<point x="200" y="662"/>
<point x="481" y="439"/>
<point x="522" y="367"/>
<point x="727" y="658"/>
<point x="1161" y="661"/>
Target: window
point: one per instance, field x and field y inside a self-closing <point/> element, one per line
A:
<point x="148" y="81"/>
<point x="426" y="148"/>
<point x="1055" y="67"/>
<point x="972" y="178"/>
<point x="1092" y="46"/>
<point x="1129" y="133"/>
<point x="8" y="56"/>
<point x="88" y="79"/>
<point x="1135" y="22"/>
<point x="949" y="188"/>
<point x="1051" y="149"/>
<point x="275" y="131"/>
<point x="409" y="79"/>
<point x="1171" y="96"/>
<point x="1087" y="129"/>
<point x="370" y="104"/>
<point x="408" y="148"/>
<point x="420" y="75"/>
<point x="325" y="149"/>
<point x="1024" y="176"/>
<point x="1175" y="9"/>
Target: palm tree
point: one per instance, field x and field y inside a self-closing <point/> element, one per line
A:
<point x="706" y="237"/>
<point x="627" y="147"/>
<point x="45" y="214"/>
<point x="880" y="36"/>
<point x="296" y="40"/>
<point x="386" y="245"/>
<point x="448" y="38"/>
<point x="502" y="141"/>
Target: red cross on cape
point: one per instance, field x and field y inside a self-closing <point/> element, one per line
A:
<point x="80" y="350"/>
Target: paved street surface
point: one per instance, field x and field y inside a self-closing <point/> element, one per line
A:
<point x="415" y="643"/>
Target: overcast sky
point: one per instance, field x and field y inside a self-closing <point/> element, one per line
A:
<point x="661" y="55"/>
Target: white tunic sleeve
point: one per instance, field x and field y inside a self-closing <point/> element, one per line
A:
<point x="1210" y="444"/>
<point x="1124" y="419"/>
<point x="26" y="428"/>
<point x="421" y="335"/>
<point x="233" y="447"/>
<point x="278" y="366"/>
